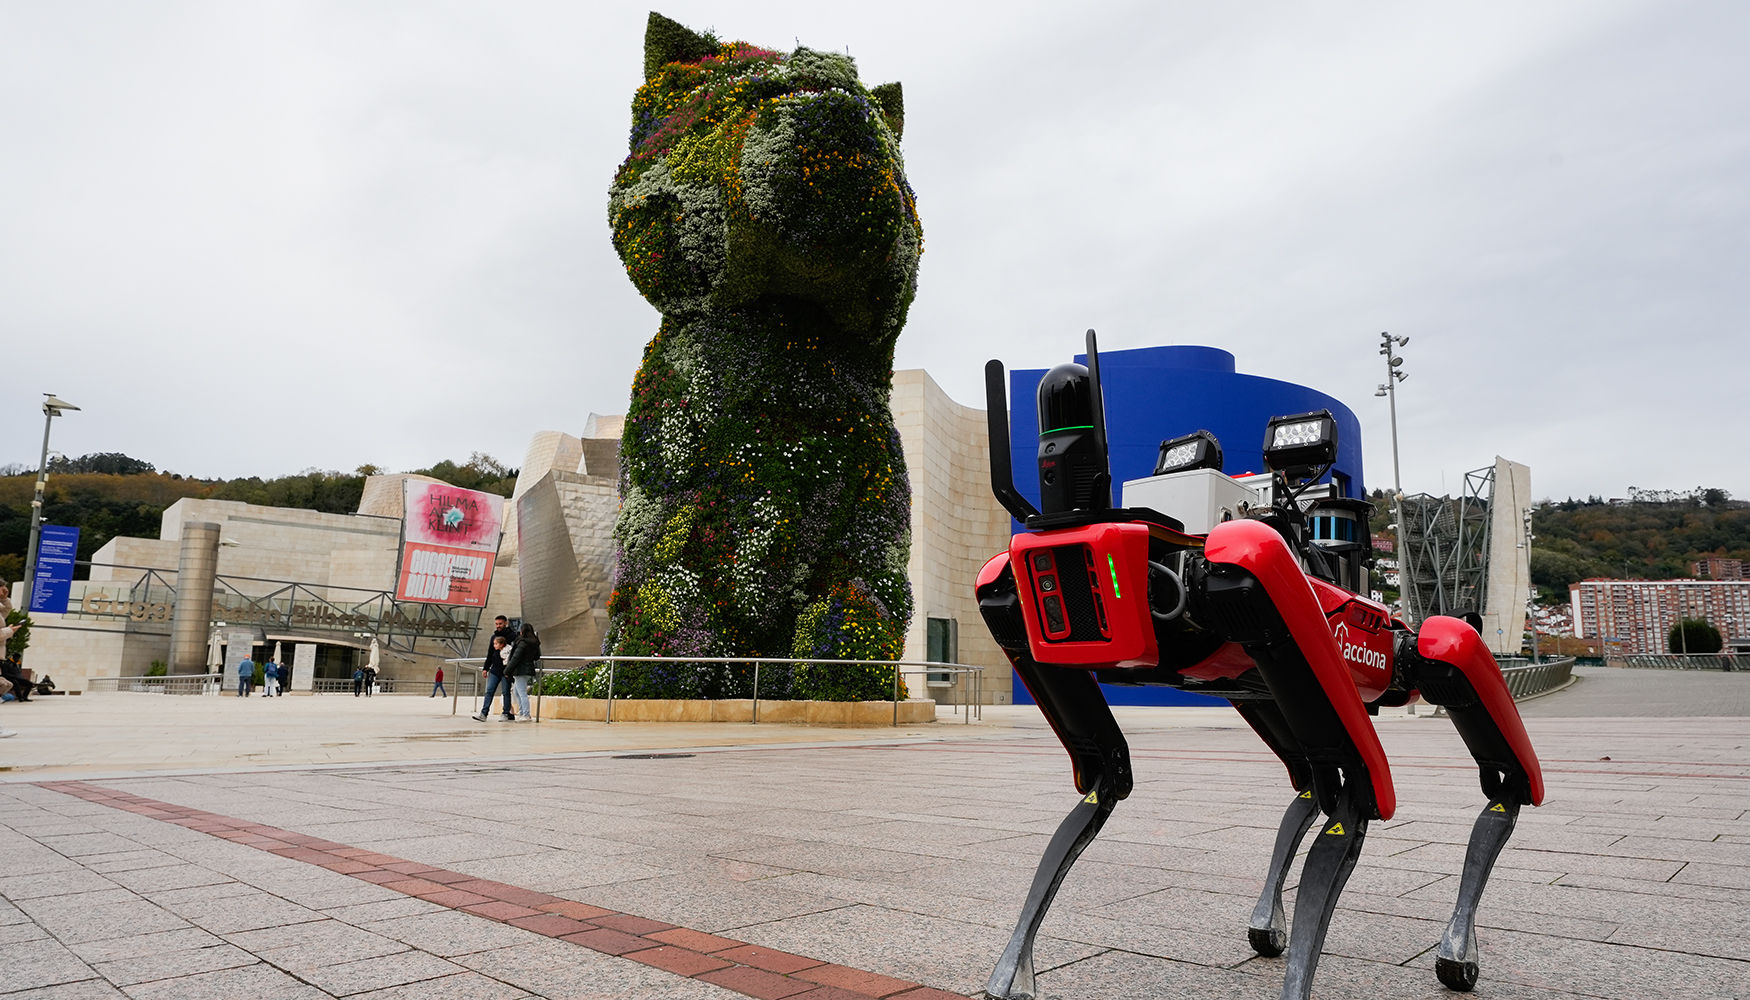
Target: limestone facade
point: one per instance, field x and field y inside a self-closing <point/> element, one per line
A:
<point x="956" y="526"/>
<point x="566" y="498"/>
<point x="342" y="557"/>
<point x="1509" y="584"/>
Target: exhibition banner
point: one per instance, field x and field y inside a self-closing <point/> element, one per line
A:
<point x="441" y="574"/>
<point x="55" y="552"/>
<point x="441" y="514"/>
<point x="449" y="539"/>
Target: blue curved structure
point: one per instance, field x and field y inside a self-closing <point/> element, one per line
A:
<point x="1156" y="393"/>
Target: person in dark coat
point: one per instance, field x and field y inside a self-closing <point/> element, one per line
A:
<point x="520" y="666"/>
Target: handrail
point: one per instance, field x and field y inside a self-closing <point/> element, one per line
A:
<point x="157" y="684"/>
<point x="1680" y="661"/>
<point x="923" y="666"/>
<point x="1536" y="678"/>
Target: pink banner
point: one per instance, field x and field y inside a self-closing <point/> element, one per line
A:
<point x="450" y="541"/>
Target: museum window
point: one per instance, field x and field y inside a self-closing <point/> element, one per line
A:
<point x="941" y="645"/>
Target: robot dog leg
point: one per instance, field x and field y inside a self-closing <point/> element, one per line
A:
<point x="1450" y="665"/>
<point x="1254" y="593"/>
<point x="1071" y="701"/>
<point x="1268" y="930"/>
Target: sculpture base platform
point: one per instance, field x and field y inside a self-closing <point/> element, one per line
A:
<point x="812" y="713"/>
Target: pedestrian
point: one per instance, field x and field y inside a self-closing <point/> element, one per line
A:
<point x="492" y="672"/>
<point x="245" y="677"/>
<point x="520" y="666"/>
<point x="270" y="679"/>
<point x="358" y="681"/>
<point x="437" y="684"/>
<point x="501" y="630"/>
<point x="371" y="669"/>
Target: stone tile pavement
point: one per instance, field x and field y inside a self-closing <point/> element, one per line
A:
<point x="898" y="862"/>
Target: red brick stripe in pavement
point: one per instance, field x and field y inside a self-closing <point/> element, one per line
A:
<point x="747" y="969"/>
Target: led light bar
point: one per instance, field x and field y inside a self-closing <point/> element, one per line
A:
<point x="1197" y="450"/>
<point x="1300" y="442"/>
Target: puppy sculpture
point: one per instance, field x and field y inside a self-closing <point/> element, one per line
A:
<point x="764" y="210"/>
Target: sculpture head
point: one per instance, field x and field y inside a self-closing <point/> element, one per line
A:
<point x="756" y="173"/>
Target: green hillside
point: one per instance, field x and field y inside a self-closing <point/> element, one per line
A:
<point x="1657" y="541"/>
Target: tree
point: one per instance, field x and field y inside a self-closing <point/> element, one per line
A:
<point x="112" y="463"/>
<point x="1694" y="635"/>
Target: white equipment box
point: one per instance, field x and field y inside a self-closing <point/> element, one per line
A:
<point x="1202" y="498"/>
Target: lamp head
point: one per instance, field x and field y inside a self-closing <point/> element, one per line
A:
<point x="1299" y="444"/>
<point x="1197" y="450"/>
<point x="53" y="405"/>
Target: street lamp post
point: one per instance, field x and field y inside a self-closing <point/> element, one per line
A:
<point x="1394" y="374"/>
<point x="52" y="407"/>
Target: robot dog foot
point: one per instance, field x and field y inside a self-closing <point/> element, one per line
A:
<point x="1013" y="978"/>
<point x="1268" y="930"/>
<point x="1455" y="961"/>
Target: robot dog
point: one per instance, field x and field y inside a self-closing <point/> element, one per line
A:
<point x="1263" y="610"/>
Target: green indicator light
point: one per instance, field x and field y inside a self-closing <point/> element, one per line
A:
<point x="1114" y="568"/>
<point x="1077" y="427"/>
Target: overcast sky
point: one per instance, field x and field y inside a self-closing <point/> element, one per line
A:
<point x="251" y="238"/>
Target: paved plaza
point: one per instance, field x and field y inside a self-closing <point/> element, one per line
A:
<point x="573" y="860"/>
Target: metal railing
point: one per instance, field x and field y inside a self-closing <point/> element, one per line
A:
<point x="1525" y="679"/>
<point x="466" y="684"/>
<point x="1678" y="661"/>
<point x="701" y="662"/>
<point x="172" y="684"/>
<point x="143" y="593"/>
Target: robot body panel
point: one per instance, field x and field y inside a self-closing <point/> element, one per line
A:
<point x="1084" y="595"/>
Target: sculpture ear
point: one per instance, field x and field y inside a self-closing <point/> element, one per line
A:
<point x="892" y="101"/>
<point x="667" y="41"/>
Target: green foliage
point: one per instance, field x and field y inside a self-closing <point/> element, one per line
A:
<point x="891" y="97"/>
<point x="703" y="679"/>
<point x="564" y="683"/>
<point x="1694" y="635"/>
<point x="20" y="640"/>
<point x="667" y="41"/>
<point x="112" y="463"/>
<point x="481" y="472"/>
<point x="1577" y="540"/>
<point x="158" y="669"/>
<point x="763" y="208"/>
<point x="848" y="623"/>
<point x="755" y="173"/>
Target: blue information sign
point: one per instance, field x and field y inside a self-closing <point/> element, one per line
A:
<point x="55" y="553"/>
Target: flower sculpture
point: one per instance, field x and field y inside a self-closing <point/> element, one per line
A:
<point x="764" y="211"/>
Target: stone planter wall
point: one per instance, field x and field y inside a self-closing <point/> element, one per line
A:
<point x="812" y="713"/>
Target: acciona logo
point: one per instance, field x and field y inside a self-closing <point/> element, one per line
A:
<point x="1356" y="653"/>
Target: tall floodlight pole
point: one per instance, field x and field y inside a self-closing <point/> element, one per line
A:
<point x="52" y="408"/>
<point x="1531" y="614"/>
<point x="1394" y="374"/>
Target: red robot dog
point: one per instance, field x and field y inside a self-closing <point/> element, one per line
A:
<point x="1263" y="610"/>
